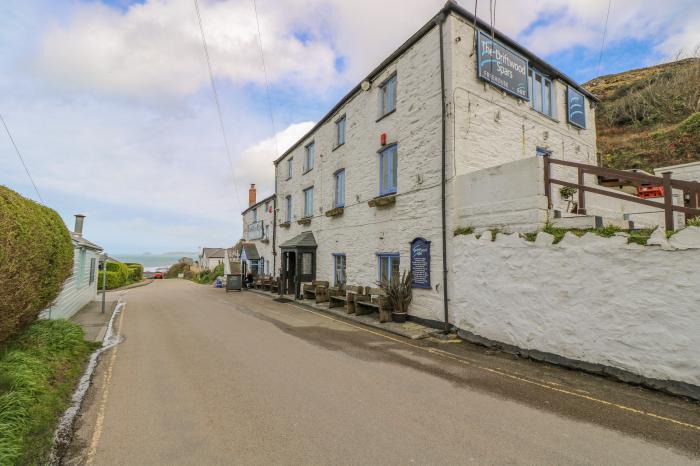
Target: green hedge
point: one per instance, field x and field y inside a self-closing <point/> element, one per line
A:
<point x="36" y="257"/>
<point x="121" y="269"/>
<point x="114" y="280"/>
<point x="135" y="271"/>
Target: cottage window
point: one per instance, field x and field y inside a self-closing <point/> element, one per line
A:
<point x="307" y="263"/>
<point x="309" y="157"/>
<point x="81" y="268"/>
<point x="339" y="200"/>
<point x="340" y="131"/>
<point x="289" y="167"/>
<point x="309" y="202"/>
<point x="387" y="94"/>
<point x="339" y="269"/>
<point x="288" y="212"/>
<point x="388" y="266"/>
<point x="92" y="270"/>
<point x="387" y="170"/>
<point x="541" y="92"/>
<point x="255" y="215"/>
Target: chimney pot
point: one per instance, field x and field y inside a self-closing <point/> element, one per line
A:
<point x="251" y="195"/>
<point x="79" y="219"/>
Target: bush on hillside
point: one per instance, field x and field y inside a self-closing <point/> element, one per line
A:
<point x="36" y="257"/>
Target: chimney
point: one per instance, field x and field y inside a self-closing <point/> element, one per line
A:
<point x="78" y="230"/>
<point x="251" y="195"/>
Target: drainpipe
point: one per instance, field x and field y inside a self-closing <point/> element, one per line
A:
<point x="440" y="20"/>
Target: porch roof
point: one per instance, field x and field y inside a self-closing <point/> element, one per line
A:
<point x="304" y="240"/>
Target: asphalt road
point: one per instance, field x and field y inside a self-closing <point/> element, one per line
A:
<point x="203" y="377"/>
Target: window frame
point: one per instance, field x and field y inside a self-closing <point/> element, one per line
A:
<point x="336" y="257"/>
<point x="532" y="76"/>
<point x="337" y="200"/>
<point x="255" y="214"/>
<point x="309" y="166"/>
<point x="388" y="190"/>
<point x="390" y="82"/>
<point x="290" y="170"/>
<point x="93" y="267"/>
<point x="288" y="213"/>
<point x="338" y="140"/>
<point x="391" y="257"/>
<point x="308" y="209"/>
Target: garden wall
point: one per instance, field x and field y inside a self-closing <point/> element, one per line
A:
<point x="594" y="303"/>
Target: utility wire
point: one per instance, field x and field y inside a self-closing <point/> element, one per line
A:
<point x="21" y="159"/>
<point x="218" y="104"/>
<point x="267" y="81"/>
<point x="602" y="45"/>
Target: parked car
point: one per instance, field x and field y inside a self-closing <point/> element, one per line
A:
<point x="158" y="275"/>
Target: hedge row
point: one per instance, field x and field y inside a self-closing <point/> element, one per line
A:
<point x="120" y="274"/>
<point x="36" y="257"/>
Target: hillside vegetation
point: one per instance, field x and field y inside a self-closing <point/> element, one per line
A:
<point x="649" y="117"/>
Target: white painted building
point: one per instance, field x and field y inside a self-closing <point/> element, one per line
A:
<point x="387" y="164"/>
<point x="81" y="287"/>
<point x="256" y="250"/>
<point x="210" y="258"/>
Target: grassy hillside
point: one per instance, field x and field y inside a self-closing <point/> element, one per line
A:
<point x="649" y="117"/>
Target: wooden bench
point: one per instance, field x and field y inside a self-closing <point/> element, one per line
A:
<point x="374" y="300"/>
<point x="266" y="282"/>
<point x="274" y="285"/>
<point x="257" y="282"/>
<point x="317" y="290"/>
<point x="344" y="297"/>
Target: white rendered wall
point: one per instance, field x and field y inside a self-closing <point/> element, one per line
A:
<point x="588" y="299"/>
<point x="263" y="245"/>
<point x="75" y="294"/>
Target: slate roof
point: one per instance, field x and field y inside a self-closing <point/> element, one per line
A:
<point x="304" y="240"/>
<point x="80" y="241"/>
<point x="213" y="253"/>
<point x="251" y="252"/>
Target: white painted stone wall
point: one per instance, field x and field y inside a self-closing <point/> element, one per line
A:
<point x="265" y="211"/>
<point x="591" y="299"/>
<point x="686" y="171"/>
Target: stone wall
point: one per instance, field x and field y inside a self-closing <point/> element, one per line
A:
<point x="591" y="300"/>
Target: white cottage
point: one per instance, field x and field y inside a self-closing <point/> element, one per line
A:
<point x="257" y="247"/>
<point x="81" y="287"/>
<point x="384" y="178"/>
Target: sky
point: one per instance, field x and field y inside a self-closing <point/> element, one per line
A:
<point x="111" y="105"/>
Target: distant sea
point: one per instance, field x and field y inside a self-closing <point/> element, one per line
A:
<point x="151" y="262"/>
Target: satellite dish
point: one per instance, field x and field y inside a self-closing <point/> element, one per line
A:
<point x="365" y="85"/>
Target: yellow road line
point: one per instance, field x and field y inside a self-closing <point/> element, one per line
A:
<point x="99" y="422"/>
<point x="469" y="362"/>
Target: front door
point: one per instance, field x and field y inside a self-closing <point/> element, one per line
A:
<point x="290" y="267"/>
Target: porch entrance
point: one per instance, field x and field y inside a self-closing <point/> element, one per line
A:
<point x="298" y="262"/>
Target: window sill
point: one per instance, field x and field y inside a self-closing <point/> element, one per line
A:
<point x="265" y="241"/>
<point x="337" y="147"/>
<point x="549" y="117"/>
<point x="385" y="115"/>
<point x="284" y="225"/>
<point x="304" y="221"/>
<point x="307" y="171"/>
<point x="335" y="212"/>
<point x="288" y="178"/>
<point x="383" y="201"/>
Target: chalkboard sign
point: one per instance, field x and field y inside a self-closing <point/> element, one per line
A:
<point x="576" y="108"/>
<point x="502" y="67"/>
<point x="234" y="282"/>
<point x="420" y="263"/>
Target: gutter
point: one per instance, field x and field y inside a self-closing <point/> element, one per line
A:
<point x="440" y="19"/>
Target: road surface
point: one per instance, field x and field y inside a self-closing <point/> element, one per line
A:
<point x="204" y="377"/>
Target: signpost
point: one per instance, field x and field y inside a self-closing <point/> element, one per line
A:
<point x="575" y="107"/>
<point x="502" y="67"/>
<point x="420" y="263"/>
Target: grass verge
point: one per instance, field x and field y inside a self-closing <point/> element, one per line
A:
<point x="38" y="371"/>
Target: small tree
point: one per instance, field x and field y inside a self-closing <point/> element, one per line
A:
<point x="567" y="193"/>
<point x="399" y="291"/>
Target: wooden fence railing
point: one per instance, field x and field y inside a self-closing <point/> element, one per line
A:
<point x="691" y="189"/>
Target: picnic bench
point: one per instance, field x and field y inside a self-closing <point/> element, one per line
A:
<point x="344" y="297"/>
<point x="317" y="290"/>
<point x="374" y="300"/>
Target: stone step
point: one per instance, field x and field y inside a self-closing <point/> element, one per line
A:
<point x="589" y="221"/>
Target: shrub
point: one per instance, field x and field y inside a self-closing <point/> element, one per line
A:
<point x="36" y="257"/>
<point x="114" y="280"/>
<point x="694" y="222"/>
<point x="135" y="272"/>
<point x="121" y="269"/>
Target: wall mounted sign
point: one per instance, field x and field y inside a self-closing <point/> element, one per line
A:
<point x="256" y="230"/>
<point x="576" y="107"/>
<point x="502" y="67"/>
<point x="420" y="263"/>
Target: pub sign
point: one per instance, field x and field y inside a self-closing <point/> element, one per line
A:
<point x="502" y="67"/>
<point x="575" y="108"/>
<point x="420" y="263"/>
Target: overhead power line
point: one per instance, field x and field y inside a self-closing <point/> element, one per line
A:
<point x="602" y="45"/>
<point x="21" y="159"/>
<point x="217" y="102"/>
<point x="267" y="81"/>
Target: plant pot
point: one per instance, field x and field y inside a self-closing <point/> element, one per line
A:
<point x="399" y="317"/>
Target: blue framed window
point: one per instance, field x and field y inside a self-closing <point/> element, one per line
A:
<point x="288" y="211"/>
<point x="289" y="167"/>
<point x="388" y="165"/>
<point x="339" y="262"/>
<point x="541" y="92"/>
<point x="576" y="108"/>
<point x="340" y="131"/>
<point x="339" y="200"/>
<point x="387" y="95"/>
<point x="387" y="266"/>
<point x="309" y="157"/>
<point x="309" y="202"/>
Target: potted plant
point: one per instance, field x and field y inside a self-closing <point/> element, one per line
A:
<point x="400" y="294"/>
